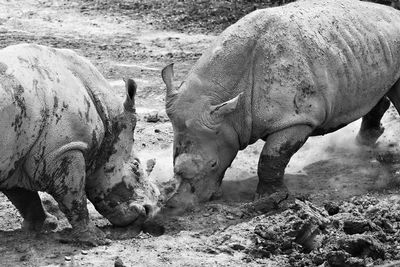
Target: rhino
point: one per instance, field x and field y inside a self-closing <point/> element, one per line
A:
<point x="281" y="74"/>
<point x="63" y="131"/>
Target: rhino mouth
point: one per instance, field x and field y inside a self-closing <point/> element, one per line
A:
<point x="124" y="213"/>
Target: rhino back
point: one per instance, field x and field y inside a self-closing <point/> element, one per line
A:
<point x="329" y="62"/>
<point x="319" y="62"/>
<point x="45" y="108"/>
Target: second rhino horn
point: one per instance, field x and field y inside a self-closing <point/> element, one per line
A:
<point x="167" y="75"/>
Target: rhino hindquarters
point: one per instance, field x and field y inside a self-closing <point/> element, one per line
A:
<point x="30" y="207"/>
<point x="279" y="147"/>
<point x="68" y="181"/>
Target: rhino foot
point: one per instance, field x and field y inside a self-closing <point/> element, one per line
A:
<point x="50" y="223"/>
<point x="91" y="236"/>
<point x="263" y="204"/>
<point x="369" y="137"/>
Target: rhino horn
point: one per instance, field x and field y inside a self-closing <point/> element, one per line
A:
<point x="131" y="87"/>
<point x="167" y="75"/>
<point x="226" y="107"/>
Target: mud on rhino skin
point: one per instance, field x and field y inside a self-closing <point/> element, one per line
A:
<point x="64" y="132"/>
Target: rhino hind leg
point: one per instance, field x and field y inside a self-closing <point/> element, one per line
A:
<point x="394" y="95"/>
<point x="30" y="207"/>
<point x="68" y="189"/>
<point x="279" y="147"/>
<point x="371" y="128"/>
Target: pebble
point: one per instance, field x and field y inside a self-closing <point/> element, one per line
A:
<point x="332" y="208"/>
<point x="52" y="256"/>
<point x="118" y="262"/>
<point x="225" y="249"/>
<point x="103" y="46"/>
<point x="236" y="246"/>
<point x="230" y="217"/>
<point x="24" y="257"/>
<point x="210" y="250"/>
<point x="152" y="116"/>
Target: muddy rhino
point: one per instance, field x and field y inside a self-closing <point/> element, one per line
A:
<point x="281" y="75"/>
<point x="64" y="131"/>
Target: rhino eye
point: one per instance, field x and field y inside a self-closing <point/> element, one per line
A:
<point x="188" y="143"/>
<point x="213" y="164"/>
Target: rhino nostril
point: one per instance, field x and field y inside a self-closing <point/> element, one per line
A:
<point x="138" y="208"/>
<point x="149" y="209"/>
<point x="214" y="164"/>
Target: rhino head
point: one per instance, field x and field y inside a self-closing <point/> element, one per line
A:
<point x="118" y="188"/>
<point x="205" y="143"/>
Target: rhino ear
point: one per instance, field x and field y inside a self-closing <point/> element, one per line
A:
<point x="167" y="75"/>
<point x="131" y="87"/>
<point x="226" y="107"/>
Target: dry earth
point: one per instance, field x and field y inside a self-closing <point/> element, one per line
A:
<point x="359" y="185"/>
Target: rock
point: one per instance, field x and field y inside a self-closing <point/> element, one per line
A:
<point x="337" y="258"/>
<point x="118" y="262"/>
<point x="153" y="228"/>
<point x="387" y="226"/>
<point x="362" y="246"/>
<point x="103" y="46"/>
<point x="211" y="250"/>
<point x="392" y="264"/>
<point x="25" y="257"/>
<point x="302" y="225"/>
<point x="230" y="217"/>
<point x="318" y="259"/>
<point x="306" y="235"/>
<point x="84" y="252"/>
<point x="354" y="225"/>
<point x="52" y="256"/>
<point x="236" y="246"/>
<point x="152" y="116"/>
<point x="331" y="208"/>
<point x="277" y="201"/>
<point x="309" y="227"/>
<point x="150" y="165"/>
<point x="67" y="258"/>
<point x="266" y="233"/>
<point x="225" y="249"/>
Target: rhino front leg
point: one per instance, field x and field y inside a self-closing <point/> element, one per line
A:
<point x="30" y="207"/>
<point x="279" y="147"/>
<point x="371" y="128"/>
<point x="68" y="189"/>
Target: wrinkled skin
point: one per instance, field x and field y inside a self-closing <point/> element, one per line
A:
<point x="281" y="75"/>
<point x="64" y="132"/>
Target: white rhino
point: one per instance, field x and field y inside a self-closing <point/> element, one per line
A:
<point x="64" y="131"/>
<point x="281" y="75"/>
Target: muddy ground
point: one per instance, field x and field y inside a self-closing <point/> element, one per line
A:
<point x="347" y="213"/>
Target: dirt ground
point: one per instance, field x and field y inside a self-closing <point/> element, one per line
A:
<point x="332" y="175"/>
